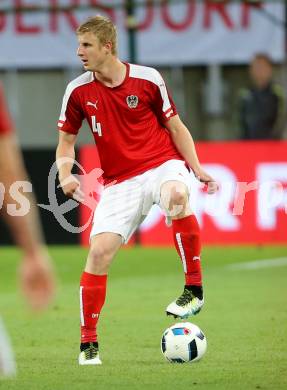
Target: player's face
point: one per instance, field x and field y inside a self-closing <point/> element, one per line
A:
<point x="92" y="54"/>
<point x="261" y="72"/>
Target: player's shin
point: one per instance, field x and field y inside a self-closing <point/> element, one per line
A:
<point x="186" y="234"/>
<point x="187" y="242"/>
<point x="92" y="299"/>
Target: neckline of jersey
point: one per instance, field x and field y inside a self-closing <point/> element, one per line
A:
<point x="122" y="83"/>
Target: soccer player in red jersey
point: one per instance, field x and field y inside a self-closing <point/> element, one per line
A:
<point x="36" y="276"/>
<point x="146" y="153"/>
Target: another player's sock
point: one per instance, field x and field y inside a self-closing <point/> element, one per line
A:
<point x="186" y="234"/>
<point x="92" y="299"/>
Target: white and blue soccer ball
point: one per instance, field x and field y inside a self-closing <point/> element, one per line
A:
<point x="183" y="342"/>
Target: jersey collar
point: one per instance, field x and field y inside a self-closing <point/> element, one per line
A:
<point x="118" y="86"/>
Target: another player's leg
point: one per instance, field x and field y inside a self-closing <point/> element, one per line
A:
<point x="7" y="361"/>
<point x="93" y="293"/>
<point x="186" y="233"/>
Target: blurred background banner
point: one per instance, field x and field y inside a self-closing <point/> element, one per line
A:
<point x="181" y="33"/>
<point x="206" y="32"/>
<point x="250" y="207"/>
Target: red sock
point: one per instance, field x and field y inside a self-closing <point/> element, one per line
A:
<point x="186" y="234"/>
<point x="92" y="298"/>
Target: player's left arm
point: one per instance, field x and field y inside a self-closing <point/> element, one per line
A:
<point x="185" y="145"/>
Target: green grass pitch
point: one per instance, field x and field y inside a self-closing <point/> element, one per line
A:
<point x="244" y="319"/>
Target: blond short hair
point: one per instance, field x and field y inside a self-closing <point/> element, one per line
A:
<point x="103" y="28"/>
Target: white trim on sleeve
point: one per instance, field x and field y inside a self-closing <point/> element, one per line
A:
<point x="152" y="75"/>
<point x="84" y="78"/>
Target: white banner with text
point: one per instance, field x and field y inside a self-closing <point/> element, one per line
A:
<point x="170" y="34"/>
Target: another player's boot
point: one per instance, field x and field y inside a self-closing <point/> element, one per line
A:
<point x="188" y="304"/>
<point x="89" y="354"/>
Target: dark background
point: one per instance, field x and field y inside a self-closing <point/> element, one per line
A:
<point x="38" y="163"/>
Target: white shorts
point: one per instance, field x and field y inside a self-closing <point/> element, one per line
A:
<point x="124" y="206"/>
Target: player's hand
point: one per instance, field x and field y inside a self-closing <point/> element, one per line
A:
<point x="71" y="188"/>
<point x="204" y="177"/>
<point x="37" y="280"/>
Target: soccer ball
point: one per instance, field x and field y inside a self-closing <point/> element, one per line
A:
<point x="183" y="342"/>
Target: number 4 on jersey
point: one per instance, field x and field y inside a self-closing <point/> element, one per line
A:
<point x="96" y="127"/>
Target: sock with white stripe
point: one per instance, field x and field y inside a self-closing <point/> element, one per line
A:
<point x="92" y="299"/>
<point x="186" y="234"/>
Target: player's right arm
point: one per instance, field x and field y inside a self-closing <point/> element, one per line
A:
<point x="69" y="123"/>
<point x="167" y="114"/>
<point x="65" y="157"/>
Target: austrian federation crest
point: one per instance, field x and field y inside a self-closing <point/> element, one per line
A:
<point x="132" y="101"/>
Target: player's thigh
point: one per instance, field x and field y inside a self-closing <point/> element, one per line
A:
<point x="172" y="183"/>
<point x="119" y="210"/>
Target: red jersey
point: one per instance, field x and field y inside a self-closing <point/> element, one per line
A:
<point x="127" y="121"/>
<point x="6" y="124"/>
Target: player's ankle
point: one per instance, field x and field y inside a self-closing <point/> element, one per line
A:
<point x="197" y="291"/>
<point x="87" y="344"/>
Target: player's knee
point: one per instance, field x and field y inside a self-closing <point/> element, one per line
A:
<point x="99" y="254"/>
<point x="173" y="195"/>
<point x="178" y="197"/>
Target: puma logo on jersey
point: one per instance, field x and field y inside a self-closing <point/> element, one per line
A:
<point x="196" y="258"/>
<point x="93" y="104"/>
